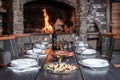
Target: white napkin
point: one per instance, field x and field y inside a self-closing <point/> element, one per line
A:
<point x="16" y="70"/>
<point x="23" y="63"/>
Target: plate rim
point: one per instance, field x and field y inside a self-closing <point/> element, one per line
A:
<point x="90" y="52"/>
<point x="13" y="64"/>
<point x="87" y="65"/>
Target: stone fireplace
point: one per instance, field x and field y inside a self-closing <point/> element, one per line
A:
<point x="65" y="10"/>
<point x="65" y="7"/>
<point x="61" y="16"/>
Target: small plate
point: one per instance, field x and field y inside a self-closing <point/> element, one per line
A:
<point x="85" y="51"/>
<point x="94" y="63"/>
<point x="89" y="51"/>
<point x="31" y="52"/>
<point x="63" y="53"/>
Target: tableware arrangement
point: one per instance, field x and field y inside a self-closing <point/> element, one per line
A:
<point x="60" y="68"/>
<point x="16" y="70"/>
<point x="94" y="63"/>
<point x="23" y="63"/>
<point x="42" y="45"/>
<point x="89" y="52"/>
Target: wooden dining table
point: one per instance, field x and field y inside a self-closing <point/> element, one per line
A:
<point x="81" y="73"/>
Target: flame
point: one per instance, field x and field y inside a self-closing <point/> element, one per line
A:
<point x="47" y="28"/>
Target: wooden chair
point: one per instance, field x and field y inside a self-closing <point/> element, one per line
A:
<point x="5" y="58"/>
<point x="114" y="38"/>
<point x="28" y="43"/>
<point x="99" y="45"/>
<point x="95" y="33"/>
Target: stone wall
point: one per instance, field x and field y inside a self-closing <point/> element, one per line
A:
<point x="0" y="18"/>
<point x="83" y="17"/>
<point x="18" y="17"/>
<point x="96" y="14"/>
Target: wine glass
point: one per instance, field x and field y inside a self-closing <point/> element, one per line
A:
<point x="82" y="49"/>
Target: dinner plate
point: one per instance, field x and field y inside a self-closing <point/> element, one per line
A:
<point x="35" y="51"/>
<point x="23" y="63"/>
<point x="81" y="43"/>
<point x="95" y="63"/>
<point x="63" y="53"/>
<point x="89" y="51"/>
<point x="30" y="52"/>
<point x="85" y="51"/>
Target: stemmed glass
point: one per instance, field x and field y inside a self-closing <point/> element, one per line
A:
<point x="84" y="46"/>
<point x="82" y="49"/>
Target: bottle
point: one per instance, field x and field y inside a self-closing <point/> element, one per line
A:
<point x="54" y="41"/>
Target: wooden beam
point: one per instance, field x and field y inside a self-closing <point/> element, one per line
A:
<point x="108" y="16"/>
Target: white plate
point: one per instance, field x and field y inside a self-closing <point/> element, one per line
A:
<point x="85" y="51"/>
<point x="81" y="43"/>
<point x="37" y="45"/>
<point x="17" y="70"/>
<point x="89" y="51"/>
<point x="35" y="51"/>
<point x="23" y="63"/>
<point x="30" y="52"/>
<point x="95" y="63"/>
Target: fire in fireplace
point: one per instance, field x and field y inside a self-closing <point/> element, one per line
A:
<point x="47" y="27"/>
<point x="43" y="16"/>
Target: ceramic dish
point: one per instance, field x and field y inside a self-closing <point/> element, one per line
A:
<point x="94" y="63"/>
<point x="60" y="68"/>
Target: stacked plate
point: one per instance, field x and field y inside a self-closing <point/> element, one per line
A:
<point x="82" y="44"/>
<point x="85" y="51"/>
<point x="89" y="51"/>
<point x="94" y="63"/>
<point x="23" y="63"/>
<point x="35" y="51"/>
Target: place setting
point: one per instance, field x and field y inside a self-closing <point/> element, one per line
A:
<point x="23" y="65"/>
<point x="86" y="53"/>
<point x="95" y="64"/>
<point x="38" y="50"/>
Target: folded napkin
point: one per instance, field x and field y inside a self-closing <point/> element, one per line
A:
<point x="23" y="63"/>
<point x="17" y="70"/>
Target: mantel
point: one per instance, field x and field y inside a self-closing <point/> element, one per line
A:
<point x="7" y="37"/>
